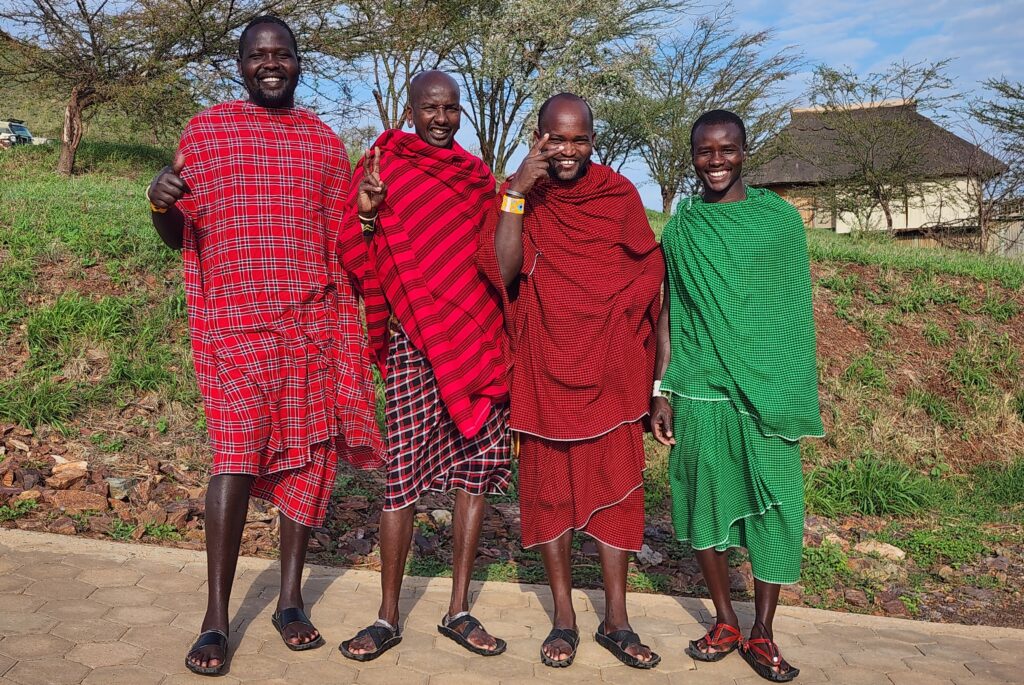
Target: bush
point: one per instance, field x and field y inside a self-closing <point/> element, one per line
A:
<point x="868" y="486"/>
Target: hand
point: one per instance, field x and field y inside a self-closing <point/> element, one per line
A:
<point x="168" y="187"/>
<point x="535" y="166"/>
<point x="661" y="420"/>
<point x="372" y="190"/>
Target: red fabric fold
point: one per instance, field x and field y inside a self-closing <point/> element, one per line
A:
<point x="582" y="316"/>
<point x="420" y="266"/>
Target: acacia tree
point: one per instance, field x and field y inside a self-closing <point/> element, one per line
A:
<point x="98" y="52"/>
<point x="876" y="159"/>
<point x="510" y="54"/>
<point x="620" y="128"/>
<point x="713" y="66"/>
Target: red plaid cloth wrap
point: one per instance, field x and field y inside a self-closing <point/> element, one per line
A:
<point x="279" y="350"/>
<point x="421" y="261"/>
<point x="582" y="322"/>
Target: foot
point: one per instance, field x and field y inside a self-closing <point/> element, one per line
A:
<point x="761" y="645"/>
<point x="363" y="643"/>
<point x="211" y="655"/>
<point x="475" y="634"/>
<point x="297" y="632"/>
<point x="721" y="638"/>
<point x="639" y="651"/>
<point x="559" y="649"/>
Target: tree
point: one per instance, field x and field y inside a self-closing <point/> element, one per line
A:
<point x="510" y="54"/>
<point x="712" y="67"/>
<point x="878" y="145"/>
<point x="99" y="52"/>
<point x="619" y="124"/>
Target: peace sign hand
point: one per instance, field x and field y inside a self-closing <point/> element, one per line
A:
<point x="534" y="167"/>
<point x="372" y="189"/>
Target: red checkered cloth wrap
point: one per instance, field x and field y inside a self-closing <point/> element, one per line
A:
<point x="421" y="261"/>
<point x="582" y="329"/>
<point x="279" y="351"/>
<point x="426" y="451"/>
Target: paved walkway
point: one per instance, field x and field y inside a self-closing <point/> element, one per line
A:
<point x="75" y="610"/>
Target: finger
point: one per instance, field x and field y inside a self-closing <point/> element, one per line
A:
<point x="539" y="145"/>
<point x="550" y="152"/>
<point x="178" y="165"/>
<point x="376" y="162"/>
<point x="367" y="168"/>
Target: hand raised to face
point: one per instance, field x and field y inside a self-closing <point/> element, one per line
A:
<point x="535" y="166"/>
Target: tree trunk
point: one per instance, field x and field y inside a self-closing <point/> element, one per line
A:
<point x="667" y="195"/>
<point x="888" y="214"/>
<point x="72" y="134"/>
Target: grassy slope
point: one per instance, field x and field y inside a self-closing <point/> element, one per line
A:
<point x="919" y="360"/>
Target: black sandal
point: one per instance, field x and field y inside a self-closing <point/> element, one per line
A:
<point x="384" y="636"/>
<point x="285" y="617"/>
<point x="750" y="651"/>
<point x="208" y="638"/>
<point x="453" y="627"/>
<point x="619" y="641"/>
<point x="569" y="635"/>
<point x="715" y="639"/>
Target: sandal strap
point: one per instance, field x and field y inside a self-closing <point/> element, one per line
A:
<point x="714" y="637"/>
<point x="378" y="633"/>
<point x="772" y="654"/>
<point x="568" y="635"/>
<point x="291" y="615"/>
<point x="624" y="638"/>
<point x="208" y="638"/>
<point x="462" y="619"/>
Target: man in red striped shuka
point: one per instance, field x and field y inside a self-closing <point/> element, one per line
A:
<point x="255" y="200"/>
<point x="413" y="219"/>
<point x="579" y="272"/>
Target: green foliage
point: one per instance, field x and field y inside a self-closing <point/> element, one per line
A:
<point x="954" y="542"/>
<point x="863" y="371"/>
<point x="1001" y="483"/>
<point x="57" y="332"/>
<point x="32" y="399"/>
<point x="162" y="531"/>
<point x="428" y="567"/>
<point x="840" y="283"/>
<point x="868" y="485"/>
<point x="938" y="409"/>
<point x="999" y="309"/>
<point x="121" y="530"/>
<point x="934" y="334"/>
<point x="106" y="443"/>
<point x="641" y="581"/>
<point x="823" y="567"/>
<point x="17" y="510"/>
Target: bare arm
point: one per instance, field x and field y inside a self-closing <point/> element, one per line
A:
<point x="661" y="409"/>
<point x="164" y="192"/>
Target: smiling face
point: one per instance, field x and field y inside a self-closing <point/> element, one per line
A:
<point x="567" y="123"/>
<point x="434" y="110"/>
<point x="269" y="66"/>
<point x="718" y="154"/>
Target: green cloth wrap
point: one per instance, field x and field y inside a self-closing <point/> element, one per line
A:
<point x="741" y="317"/>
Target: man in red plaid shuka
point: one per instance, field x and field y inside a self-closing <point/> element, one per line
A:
<point x="435" y="325"/>
<point x="255" y="200"/>
<point x="580" y="274"/>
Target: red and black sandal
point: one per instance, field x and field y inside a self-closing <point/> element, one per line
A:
<point x="723" y="644"/>
<point x="767" y="649"/>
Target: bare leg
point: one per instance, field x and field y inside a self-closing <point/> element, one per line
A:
<point x="557" y="556"/>
<point x="227" y="500"/>
<point x="469" y="516"/>
<point x="714" y="565"/>
<point x="766" y="600"/>
<point x="395" y="539"/>
<point x="294" y="540"/>
<point x="614" y="563"/>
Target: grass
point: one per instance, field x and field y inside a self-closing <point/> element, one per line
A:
<point x="937" y="408"/>
<point x="868" y="485"/>
<point x="864" y="371"/>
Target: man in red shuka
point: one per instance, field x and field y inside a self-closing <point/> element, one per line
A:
<point x="580" y="274"/>
<point x="255" y="200"/>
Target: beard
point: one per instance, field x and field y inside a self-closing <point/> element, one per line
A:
<point x="274" y="99"/>
<point x="557" y="174"/>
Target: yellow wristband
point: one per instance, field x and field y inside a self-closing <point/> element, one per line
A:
<point x="514" y="205"/>
<point x="152" y="207"/>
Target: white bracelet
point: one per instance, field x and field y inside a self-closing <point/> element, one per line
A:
<point x="657" y="388"/>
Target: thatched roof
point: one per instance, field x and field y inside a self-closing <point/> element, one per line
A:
<point x="810" y="152"/>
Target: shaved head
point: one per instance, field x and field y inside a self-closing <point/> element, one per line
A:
<point x="426" y="81"/>
<point x="564" y="104"/>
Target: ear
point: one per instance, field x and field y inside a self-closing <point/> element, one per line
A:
<point x="536" y="136"/>
<point x="407" y="115"/>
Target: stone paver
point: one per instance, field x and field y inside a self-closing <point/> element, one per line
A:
<point x="88" y="612"/>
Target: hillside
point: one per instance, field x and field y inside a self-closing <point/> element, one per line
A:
<point x="919" y="358"/>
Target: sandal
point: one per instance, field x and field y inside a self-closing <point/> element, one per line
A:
<point x="384" y="636"/>
<point x="724" y="645"/>
<point x="619" y="641"/>
<point x="453" y="627"/>
<point x="285" y="617"/>
<point x="569" y="635"/>
<point x="772" y="654"/>
<point x="208" y="638"/>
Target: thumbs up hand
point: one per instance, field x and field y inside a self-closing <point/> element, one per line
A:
<point x="168" y="187"/>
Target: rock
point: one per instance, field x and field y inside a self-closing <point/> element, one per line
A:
<point x="66" y="479"/>
<point x="442" y="517"/>
<point x="138" y="532"/>
<point x="589" y="548"/>
<point x="895" y="608"/>
<point x="100" y="524"/>
<point x="18" y="444"/>
<point x="947" y="573"/>
<point x="881" y="549"/>
<point x="791" y="594"/>
<point x="30" y="478"/>
<point x="999" y="563"/>
<point x="142" y="492"/>
<point x="838" y="541"/>
<point x="740" y="578"/>
<point x="855" y="597"/>
<point x="77" y="501"/>
<point x="878" y="571"/>
<point x="980" y="594"/>
<point x="8" y="479"/>
<point x="649" y="557"/>
<point x="120" y="487"/>
<point x="28" y="495"/>
<point x="70" y="466"/>
<point x="177" y="515"/>
<point x="98" y="488"/>
<point x="63" y="525"/>
<point x="153" y="514"/>
<point x="258" y="511"/>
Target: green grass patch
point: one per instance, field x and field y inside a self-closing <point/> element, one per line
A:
<point x="937" y="408"/>
<point x="865" y="372"/>
<point x="935" y="334"/>
<point x="162" y="531"/>
<point x="999" y="309"/>
<point x="999" y="483"/>
<point x="121" y="530"/>
<point x="952" y="542"/>
<point x="17" y="510"/>
<point x="641" y="581"/>
<point x="33" y="399"/>
<point x="58" y="332"/>
<point x="823" y="567"/>
<point x="868" y="485"/>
